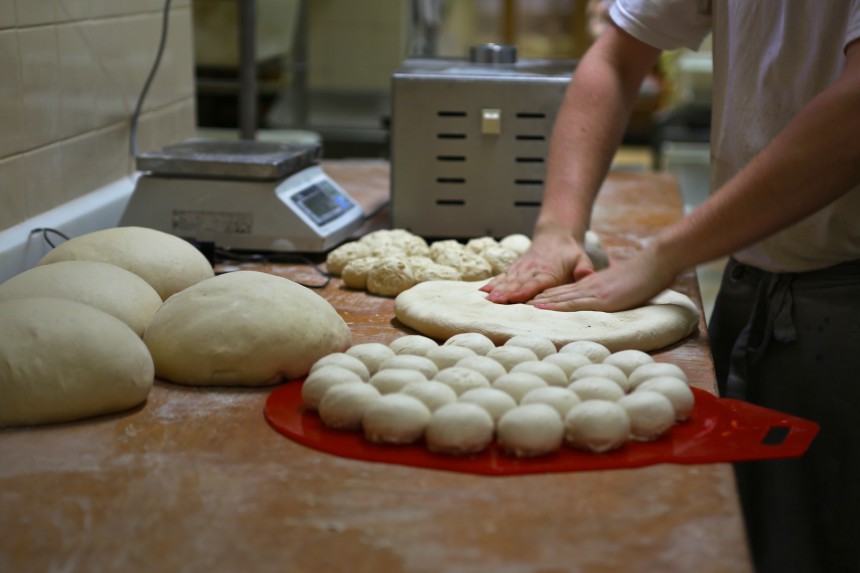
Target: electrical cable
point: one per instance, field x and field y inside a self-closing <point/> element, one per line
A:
<point x="45" y="231"/>
<point x="228" y="256"/>
<point x="137" y="109"/>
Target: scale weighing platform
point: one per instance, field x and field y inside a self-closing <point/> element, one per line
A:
<point x="243" y="195"/>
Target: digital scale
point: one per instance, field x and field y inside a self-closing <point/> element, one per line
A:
<point x="244" y="195"/>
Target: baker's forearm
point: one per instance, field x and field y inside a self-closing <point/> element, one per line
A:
<point x="589" y="128"/>
<point x="811" y="163"/>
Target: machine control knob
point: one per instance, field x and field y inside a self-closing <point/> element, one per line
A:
<point x="493" y="54"/>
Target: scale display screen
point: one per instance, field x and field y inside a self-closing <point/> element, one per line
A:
<point x="321" y="202"/>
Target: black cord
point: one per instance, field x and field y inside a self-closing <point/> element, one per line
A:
<point x="227" y="256"/>
<point x="159" y="53"/>
<point x="45" y="231"/>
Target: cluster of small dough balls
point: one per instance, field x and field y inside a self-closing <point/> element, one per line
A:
<point x="528" y="395"/>
<point x="389" y="261"/>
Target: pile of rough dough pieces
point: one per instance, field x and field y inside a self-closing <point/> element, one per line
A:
<point x="528" y="395"/>
<point x="390" y="261"/>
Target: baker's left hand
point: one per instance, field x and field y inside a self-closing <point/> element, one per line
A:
<point x="625" y="284"/>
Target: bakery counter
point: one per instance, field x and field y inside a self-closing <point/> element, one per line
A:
<point x="196" y="480"/>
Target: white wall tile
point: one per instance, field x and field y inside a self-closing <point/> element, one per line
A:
<point x="40" y="85"/>
<point x="92" y="160"/>
<point x="78" y="74"/>
<point x="39" y="178"/>
<point x="10" y="94"/>
<point x="35" y="12"/>
<point x="13" y="201"/>
<point x="7" y="14"/>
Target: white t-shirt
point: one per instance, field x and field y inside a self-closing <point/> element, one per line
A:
<point x="771" y="57"/>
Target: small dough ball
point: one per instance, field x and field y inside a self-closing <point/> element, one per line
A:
<point x="595" y="251"/>
<point x="677" y="391"/>
<point x="62" y="360"/>
<point x="319" y="382"/>
<point x="415" y="344"/>
<point x="243" y="328"/>
<point x="354" y="274"/>
<point x="343" y="406"/>
<point x="389" y="276"/>
<point x="343" y="360"/>
<point x="561" y="399"/>
<point x="474" y="341"/>
<point x="459" y="429"/>
<point x="483" y="364"/>
<point x="395" y="419"/>
<point x="479" y="244"/>
<point x="541" y="346"/>
<point x="518" y="243"/>
<point x="531" y="430"/>
<point x="338" y="258"/>
<point x="602" y="371"/>
<point x="568" y="361"/>
<point x="432" y="394"/>
<point x="446" y="356"/>
<point x="596" y="388"/>
<point x="104" y="286"/>
<point x="462" y="379"/>
<point x="440" y="247"/>
<point x="597" y="425"/>
<point x="518" y="384"/>
<point x="494" y="401"/>
<point x="472" y="267"/>
<point x="169" y="264"/>
<point x="412" y="245"/>
<point x="378" y="239"/>
<point x="651" y="414"/>
<point x="656" y="370"/>
<point x="550" y="373"/>
<point x="410" y="362"/>
<point x="436" y="272"/>
<point x="500" y="258"/>
<point x="391" y="380"/>
<point x="510" y="356"/>
<point x="628" y="360"/>
<point x="371" y="354"/>
<point x="595" y="351"/>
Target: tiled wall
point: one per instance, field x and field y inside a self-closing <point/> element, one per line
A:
<point x="70" y="75"/>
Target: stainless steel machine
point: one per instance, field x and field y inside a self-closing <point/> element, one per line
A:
<point x="469" y="141"/>
<point x="245" y="195"/>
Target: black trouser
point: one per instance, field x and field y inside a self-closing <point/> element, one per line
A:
<point x="791" y="342"/>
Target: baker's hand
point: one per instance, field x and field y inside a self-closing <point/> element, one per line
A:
<point x="550" y="261"/>
<point x="626" y="284"/>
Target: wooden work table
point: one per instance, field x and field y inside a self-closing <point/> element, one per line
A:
<point x="196" y="480"/>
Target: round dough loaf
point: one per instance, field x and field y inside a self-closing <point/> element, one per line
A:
<point x="62" y="360"/>
<point x="415" y="344"/>
<point x="432" y="394"/>
<point x="389" y="276"/>
<point x="169" y="264"/>
<point x="372" y="354"/>
<point x="343" y="360"/>
<point x="602" y="371"/>
<point x="338" y="258"/>
<point x="244" y="328"/>
<point x="596" y="388"/>
<point x="483" y="364"/>
<point x="421" y="364"/>
<point x="474" y="341"/>
<point x="462" y="379"/>
<point x="651" y="414"/>
<point x="594" y="351"/>
<point x="395" y="419"/>
<point x="319" y="382"/>
<point x="446" y="356"/>
<point x="343" y="406"/>
<point x="391" y="380"/>
<point x="104" y="286"/>
<point x="531" y="430"/>
<point x="510" y="356"/>
<point x="518" y="384"/>
<point x="628" y="360"/>
<point x="656" y="370"/>
<point x="550" y="373"/>
<point x="561" y="399"/>
<point x="541" y="346"/>
<point x="459" y="429"/>
<point x="677" y="391"/>
<point x="494" y="401"/>
<point x="597" y="425"/>
<point x="354" y="274"/>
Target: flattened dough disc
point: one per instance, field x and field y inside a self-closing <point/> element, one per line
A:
<point x="441" y="309"/>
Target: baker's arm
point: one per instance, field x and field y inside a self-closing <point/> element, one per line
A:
<point x="587" y="132"/>
<point x="814" y="161"/>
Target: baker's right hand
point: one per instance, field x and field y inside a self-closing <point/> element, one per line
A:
<point x="552" y="260"/>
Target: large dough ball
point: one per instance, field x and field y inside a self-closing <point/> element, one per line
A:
<point x="244" y="328"/>
<point x="62" y="360"/>
<point x="169" y="264"/>
<point x="459" y="429"/>
<point x="107" y="287"/>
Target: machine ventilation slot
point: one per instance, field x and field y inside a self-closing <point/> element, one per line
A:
<point x="531" y="137"/>
<point x="526" y="203"/>
<point x="450" y="158"/>
<point x="450" y="202"/>
<point x="531" y="115"/>
<point x="528" y="181"/>
<point x="451" y="135"/>
<point x="451" y="180"/>
<point x="451" y="113"/>
<point x="529" y="159"/>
